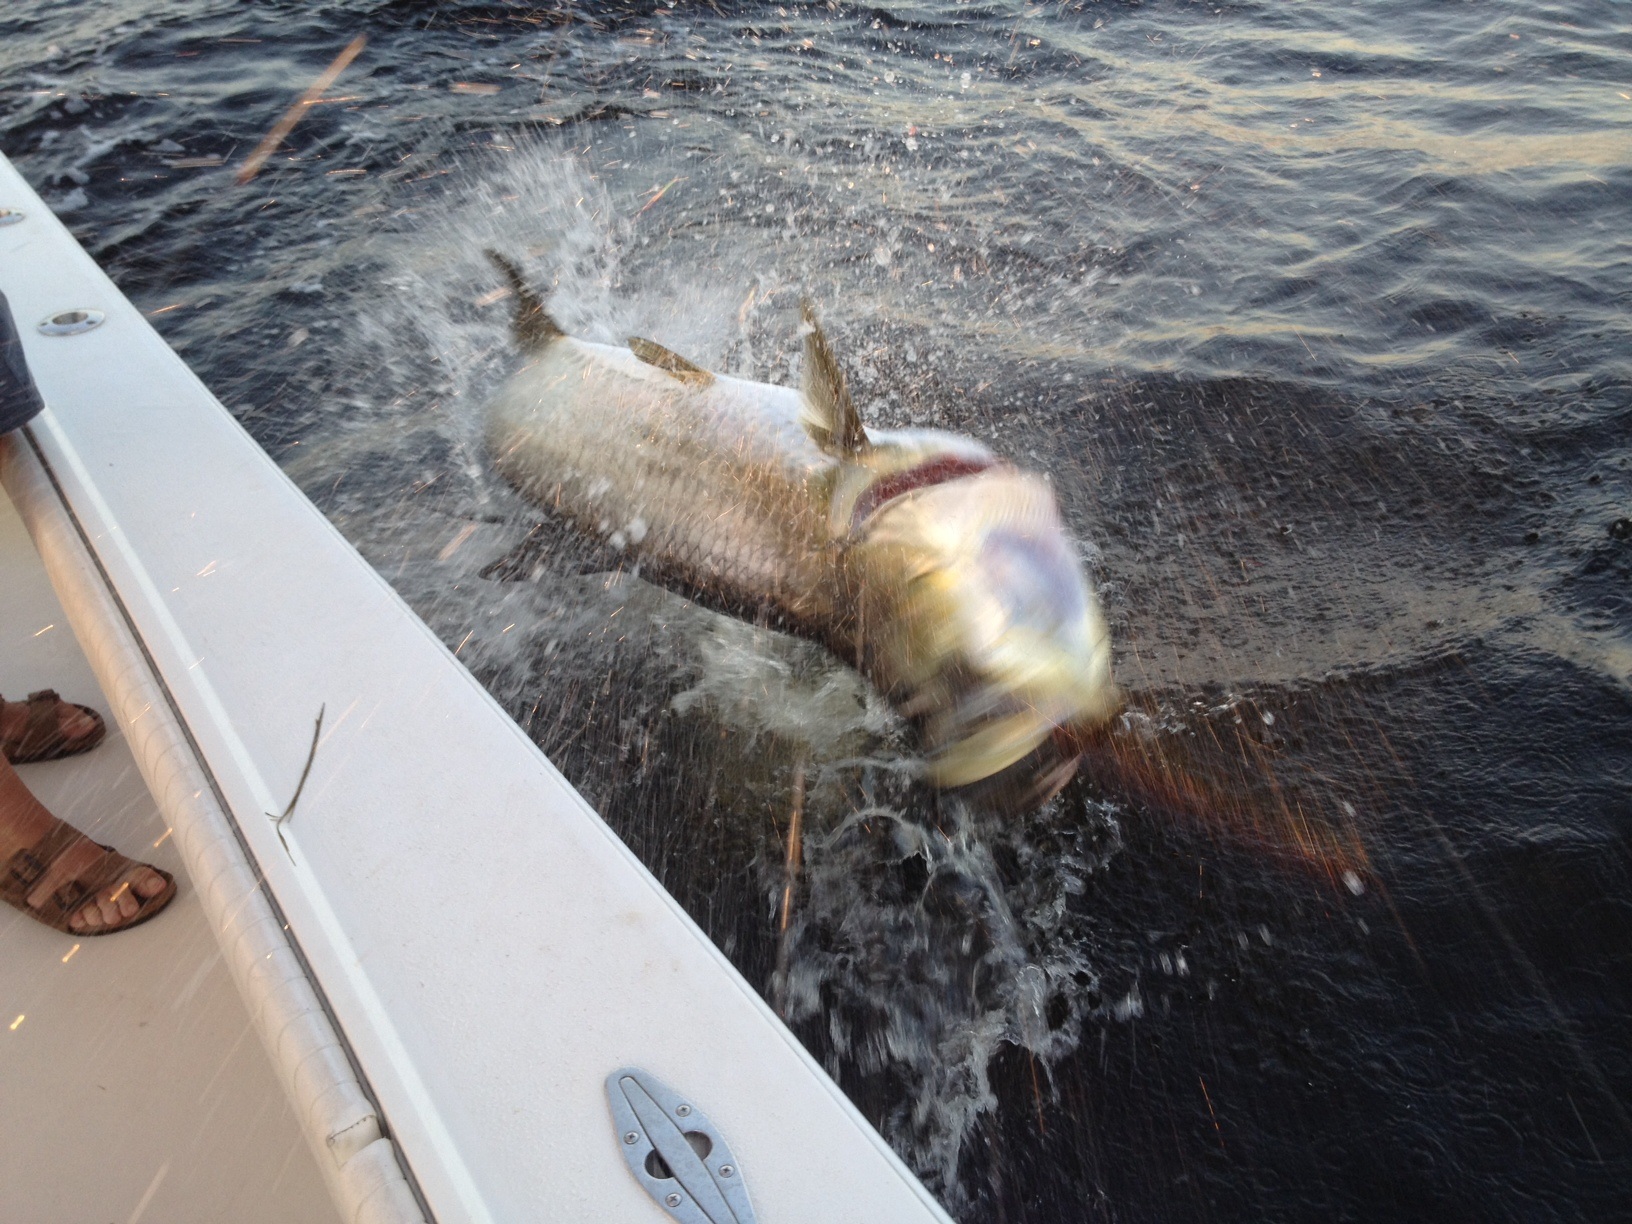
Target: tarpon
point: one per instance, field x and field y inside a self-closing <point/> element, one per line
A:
<point x="943" y="573"/>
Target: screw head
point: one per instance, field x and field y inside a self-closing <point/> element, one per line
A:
<point x="631" y="1136"/>
<point x="674" y="1200"/>
<point x="727" y="1170"/>
<point x="683" y="1110"/>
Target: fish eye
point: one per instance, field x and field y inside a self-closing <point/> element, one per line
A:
<point x="1035" y="578"/>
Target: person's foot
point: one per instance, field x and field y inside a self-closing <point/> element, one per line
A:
<point x="114" y="904"/>
<point x="22" y="727"/>
<point x="45" y="864"/>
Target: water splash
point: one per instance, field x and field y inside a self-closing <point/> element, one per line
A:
<point x="925" y="941"/>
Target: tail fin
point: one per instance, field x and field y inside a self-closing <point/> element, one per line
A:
<point x="533" y="327"/>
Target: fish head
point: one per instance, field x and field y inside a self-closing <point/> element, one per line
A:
<point x="976" y="616"/>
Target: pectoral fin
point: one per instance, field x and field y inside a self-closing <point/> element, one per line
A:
<point x="830" y="415"/>
<point x="671" y="363"/>
<point x="533" y="326"/>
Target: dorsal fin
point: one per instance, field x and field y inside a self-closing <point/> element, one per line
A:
<point x="830" y="415"/>
<point x="670" y="362"/>
<point x="532" y="326"/>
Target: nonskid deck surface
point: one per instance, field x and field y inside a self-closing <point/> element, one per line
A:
<point x="133" y="1085"/>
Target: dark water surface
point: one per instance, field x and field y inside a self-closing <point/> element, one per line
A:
<point x="1318" y="317"/>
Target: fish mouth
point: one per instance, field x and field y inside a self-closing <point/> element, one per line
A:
<point x="1014" y="760"/>
<point x="1029" y="782"/>
<point x="887" y="489"/>
<point x="1042" y="773"/>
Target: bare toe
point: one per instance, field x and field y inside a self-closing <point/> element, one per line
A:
<point x="147" y="882"/>
<point x="124" y="901"/>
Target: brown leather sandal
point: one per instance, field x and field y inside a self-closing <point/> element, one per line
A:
<point x="24" y="869"/>
<point x="42" y="738"/>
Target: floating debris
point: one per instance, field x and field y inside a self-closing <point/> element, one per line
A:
<point x="252" y="165"/>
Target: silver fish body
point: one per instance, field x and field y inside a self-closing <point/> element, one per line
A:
<point x="942" y="572"/>
<point x="718" y="481"/>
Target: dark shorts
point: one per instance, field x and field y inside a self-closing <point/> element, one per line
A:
<point x="19" y="398"/>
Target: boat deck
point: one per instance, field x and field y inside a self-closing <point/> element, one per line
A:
<point x="134" y="1086"/>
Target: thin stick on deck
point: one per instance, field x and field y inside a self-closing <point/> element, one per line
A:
<point x="280" y="129"/>
<point x="279" y="821"/>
